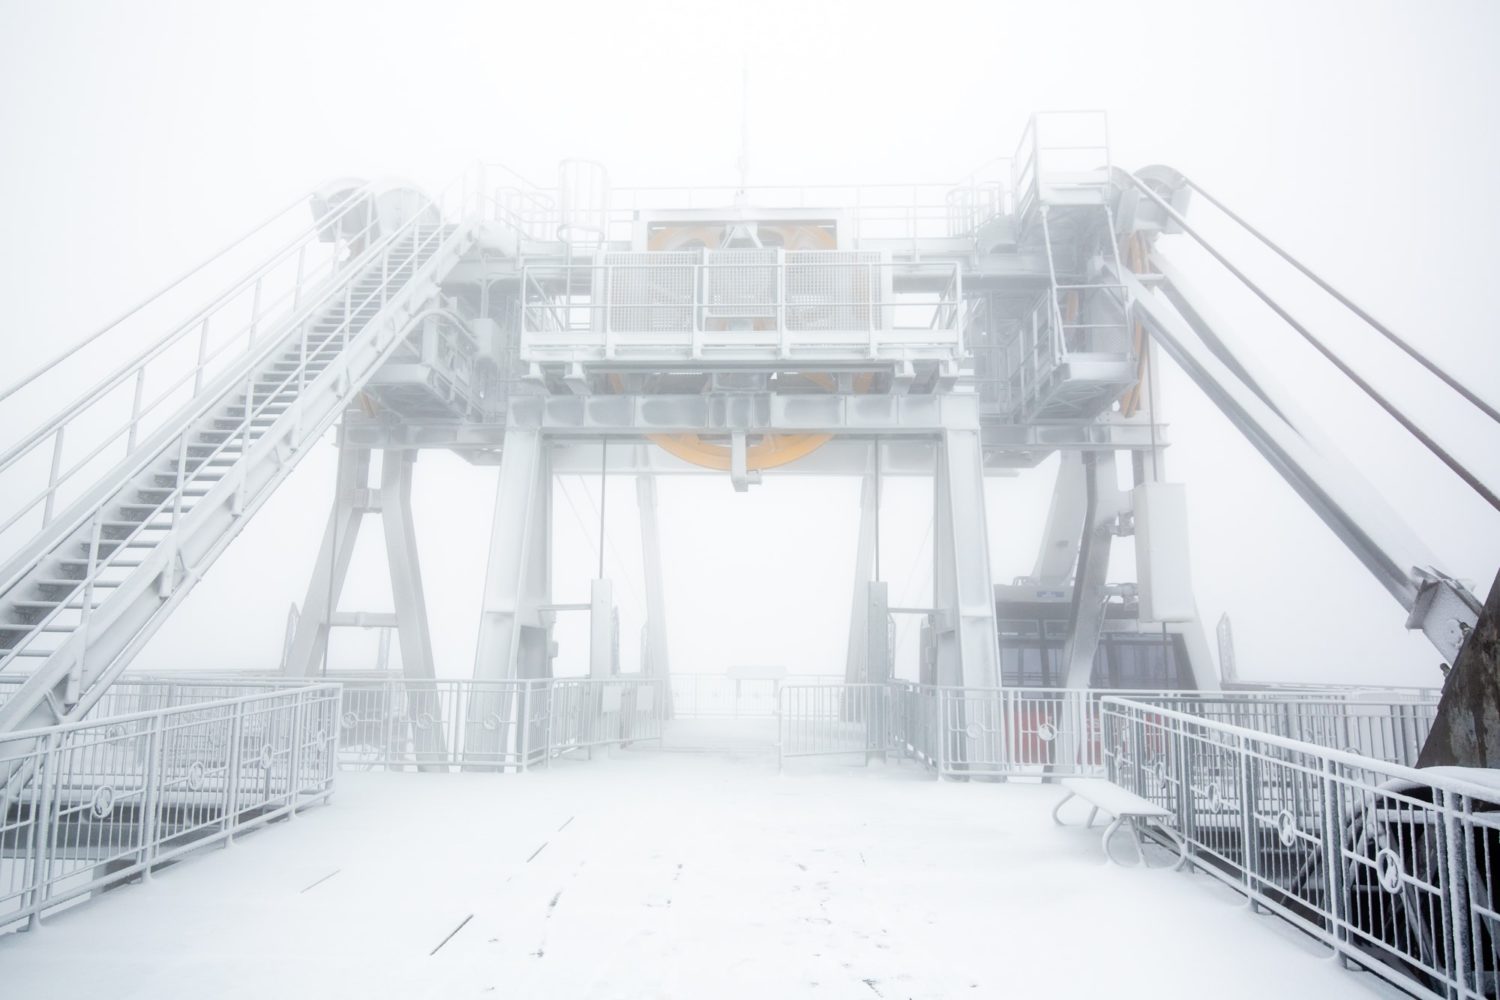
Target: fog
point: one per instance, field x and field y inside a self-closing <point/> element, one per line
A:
<point x="1360" y="135"/>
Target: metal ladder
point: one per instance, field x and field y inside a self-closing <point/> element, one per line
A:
<point x="83" y="592"/>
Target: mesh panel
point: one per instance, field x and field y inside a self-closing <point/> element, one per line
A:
<point x="650" y="291"/>
<point x="831" y="289"/>
<point x="740" y="284"/>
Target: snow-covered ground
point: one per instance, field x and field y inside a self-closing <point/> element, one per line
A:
<point x="660" y="874"/>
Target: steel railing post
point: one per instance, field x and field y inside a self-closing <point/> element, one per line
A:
<point x="525" y="741"/>
<point x="294" y="755"/>
<point x="551" y="688"/>
<point x="1459" y="869"/>
<point x="231" y="815"/>
<point x="152" y="803"/>
<point x="254" y="314"/>
<point x="1250" y="847"/>
<point x="135" y="409"/>
<point x="1333" y="870"/>
<point x="43" y="824"/>
<point x="202" y="355"/>
<point x="297" y="287"/>
<point x="57" y="451"/>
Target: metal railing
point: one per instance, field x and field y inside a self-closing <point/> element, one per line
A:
<point x="887" y="216"/>
<point x="1059" y="151"/>
<point x="389" y="257"/>
<point x="87" y="805"/>
<point x="719" y="696"/>
<point x="1056" y="732"/>
<point x="1393" y="868"/>
<point x="103" y="424"/>
<point x="492" y="725"/>
<point x="778" y="302"/>
<point x="814" y="720"/>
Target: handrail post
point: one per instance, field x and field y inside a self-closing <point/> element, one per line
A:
<point x="135" y="409"/>
<point x="254" y="313"/>
<point x="202" y="355"/>
<point x="551" y="686"/>
<point x="1333" y="868"/>
<point x="1457" y="845"/>
<point x="294" y="757"/>
<point x="297" y="288"/>
<point x="525" y="743"/>
<point x="42" y="822"/>
<point x="1248" y="836"/>
<point x="152" y="804"/>
<point x="231" y="815"/>
<point x="57" y="448"/>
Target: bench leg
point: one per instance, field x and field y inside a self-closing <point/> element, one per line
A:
<point x="1179" y="840"/>
<point x="1110" y="831"/>
<point x="1093" y="814"/>
<point x="1135" y="838"/>
<point x="1058" y="808"/>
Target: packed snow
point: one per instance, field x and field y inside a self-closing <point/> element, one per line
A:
<point x="647" y="873"/>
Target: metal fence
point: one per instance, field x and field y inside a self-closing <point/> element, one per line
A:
<point x="492" y="725"/>
<point x="1056" y="732"/>
<point x="89" y="804"/>
<point x="823" y="719"/>
<point x="719" y="696"/>
<point x="1391" y="867"/>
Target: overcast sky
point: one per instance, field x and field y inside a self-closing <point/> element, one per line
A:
<point x="138" y="137"/>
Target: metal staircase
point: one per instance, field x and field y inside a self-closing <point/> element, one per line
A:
<point x="83" y="591"/>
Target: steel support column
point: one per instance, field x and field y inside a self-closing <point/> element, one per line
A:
<point x="1104" y="504"/>
<point x="423" y="705"/>
<point x="864" y="573"/>
<point x="310" y="639"/>
<point x="657" y="664"/>
<point x="517" y="581"/>
<point x="968" y="647"/>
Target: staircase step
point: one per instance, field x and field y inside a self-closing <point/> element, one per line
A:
<point x="83" y="564"/>
<point x="57" y="584"/>
<point x="143" y="508"/>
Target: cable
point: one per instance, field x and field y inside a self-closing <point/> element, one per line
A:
<point x="1379" y="327"/>
<point x="1452" y="463"/>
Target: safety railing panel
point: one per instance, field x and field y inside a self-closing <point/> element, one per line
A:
<point x="1388" y="865"/>
<point x="499" y="725"/>
<point x="884" y="216"/>
<point x="767" y="303"/>
<point x="716" y="696"/>
<point x="1056" y="732"/>
<point x="87" y="805"/>
<point x="1062" y="156"/>
<point x="819" y="720"/>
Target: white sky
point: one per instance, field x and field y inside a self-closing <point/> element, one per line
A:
<point x="139" y="137"/>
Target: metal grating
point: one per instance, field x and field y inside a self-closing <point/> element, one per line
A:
<point x="740" y="284"/>
<point x="832" y="289"/>
<point x="650" y="291"/>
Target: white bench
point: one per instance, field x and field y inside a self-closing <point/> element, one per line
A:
<point x="1125" y="808"/>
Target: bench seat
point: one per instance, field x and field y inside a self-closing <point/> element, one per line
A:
<point x="1125" y="808"/>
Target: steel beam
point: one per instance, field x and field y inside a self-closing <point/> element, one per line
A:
<point x="657" y="663"/>
<point x="309" y="646"/>
<point x="968" y="645"/>
<point x="1105" y="502"/>
<point x="855" y="658"/>
<point x="517" y="580"/>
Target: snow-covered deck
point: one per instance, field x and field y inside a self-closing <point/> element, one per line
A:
<point x="659" y="874"/>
